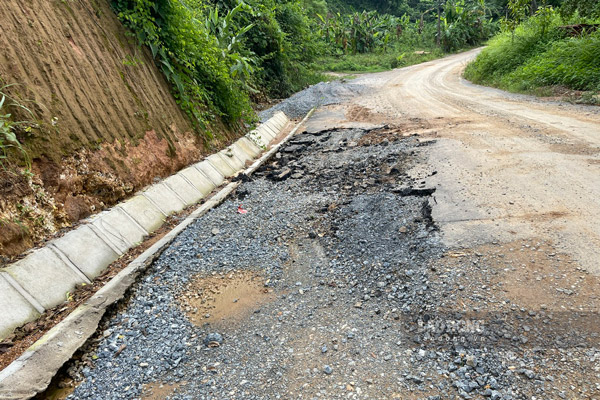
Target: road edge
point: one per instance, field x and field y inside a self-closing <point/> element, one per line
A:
<point x="32" y="373"/>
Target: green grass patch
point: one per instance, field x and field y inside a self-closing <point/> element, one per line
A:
<point x="371" y="62"/>
<point x="539" y="56"/>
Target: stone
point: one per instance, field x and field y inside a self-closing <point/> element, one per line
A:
<point x="213" y="339"/>
<point x="97" y="255"/>
<point x="164" y="198"/>
<point x="45" y="277"/>
<point x="15" y="308"/>
<point x="144" y="212"/>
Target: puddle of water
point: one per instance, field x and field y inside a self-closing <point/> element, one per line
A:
<point x="224" y="298"/>
<point x="59" y="389"/>
<point x="159" y="391"/>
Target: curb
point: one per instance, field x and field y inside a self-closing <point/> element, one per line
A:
<point x="31" y="373"/>
<point x="42" y="279"/>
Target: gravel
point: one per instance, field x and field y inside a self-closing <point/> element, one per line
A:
<point x="362" y="291"/>
<point x="323" y="93"/>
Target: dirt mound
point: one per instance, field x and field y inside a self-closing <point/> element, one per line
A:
<point x="108" y="124"/>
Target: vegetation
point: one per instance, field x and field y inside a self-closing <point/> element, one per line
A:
<point x="9" y="128"/>
<point x="221" y="55"/>
<point x="541" y="52"/>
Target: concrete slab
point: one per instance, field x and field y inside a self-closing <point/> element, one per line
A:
<point x="198" y="179"/>
<point x="266" y="132"/>
<point x="259" y="139"/>
<point x="97" y="255"/>
<point x="281" y="118"/>
<point x="119" y="228"/>
<point x="240" y="154"/>
<point x="249" y="147"/>
<point x="279" y="121"/>
<point x="164" y="198"/>
<point x="184" y="189"/>
<point x="144" y="213"/>
<point x="231" y="158"/>
<point x="270" y="128"/>
<point x="16" y="310"/>
<point x="221" y="165"/>
<point x="211" y="172"/>
<point x="45" y="277"/>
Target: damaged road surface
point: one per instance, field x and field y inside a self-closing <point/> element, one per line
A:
<point x="334" y="284"/>
<point x="401" y="247"/>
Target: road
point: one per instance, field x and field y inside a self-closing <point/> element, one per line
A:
<point x="424" y="238"/>
<point x="509" y="167"/>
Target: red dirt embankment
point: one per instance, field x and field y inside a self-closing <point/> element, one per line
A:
<point x="108" y="122"/>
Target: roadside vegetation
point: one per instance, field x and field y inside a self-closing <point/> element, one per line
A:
<point x="223" y="56"/>
<point x="11" y="127"/>
<point x="547" y="51"/>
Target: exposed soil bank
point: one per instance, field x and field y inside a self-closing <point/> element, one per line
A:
<point x="108" y="122"/>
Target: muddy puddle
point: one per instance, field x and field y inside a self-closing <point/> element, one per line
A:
<point x="159" y="391"/>
<point x="220" y="299"/>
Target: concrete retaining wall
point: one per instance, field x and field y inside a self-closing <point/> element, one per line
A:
<point x="43" y="279"/>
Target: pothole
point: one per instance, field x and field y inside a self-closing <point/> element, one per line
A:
<point x="159" y="391"/>
<point x="223" y="298"/>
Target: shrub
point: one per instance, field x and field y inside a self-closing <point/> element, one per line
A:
<point x="573" y="62"/>
<point x="509" y="50"/>
<point x="189" y="57"/>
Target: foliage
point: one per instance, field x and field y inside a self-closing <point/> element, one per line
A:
<point x="465" y="23"/>
<point x="539" y="54"/>
<point x="573" y="63"/>
<point x="218" y="54"/>
<point x="192" y="59"/>
<point x="9" y="128"/>
<point x="360" y="32"/>
<point x="373" y="62"/>
<point x="584" y="8"/>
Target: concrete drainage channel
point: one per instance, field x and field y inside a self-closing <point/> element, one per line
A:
<point x="42" y="280"/>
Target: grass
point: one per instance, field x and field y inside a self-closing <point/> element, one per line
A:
<point x="9" y="142"/>
<point x="540" y="59"/>
<point x="374" y="62"/>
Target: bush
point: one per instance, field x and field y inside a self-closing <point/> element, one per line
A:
<point x="189" y="57"/>
<point x="573" y="62"/>
<point x="509" y="50"/>
<point x="539" y="54"/>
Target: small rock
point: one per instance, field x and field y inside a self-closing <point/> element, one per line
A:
<point x="213" y="340"/>
<point x="328" y="370"/>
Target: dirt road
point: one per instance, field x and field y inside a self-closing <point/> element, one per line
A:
<point x="423" y="239"/>
<point x="508" y="167"/>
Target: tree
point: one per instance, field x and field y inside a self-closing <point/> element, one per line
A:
<point x="585" y="8"/>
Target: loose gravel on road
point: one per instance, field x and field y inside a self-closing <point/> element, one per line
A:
<point x="321" y="94"/>
<point x="350" y="294"/>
